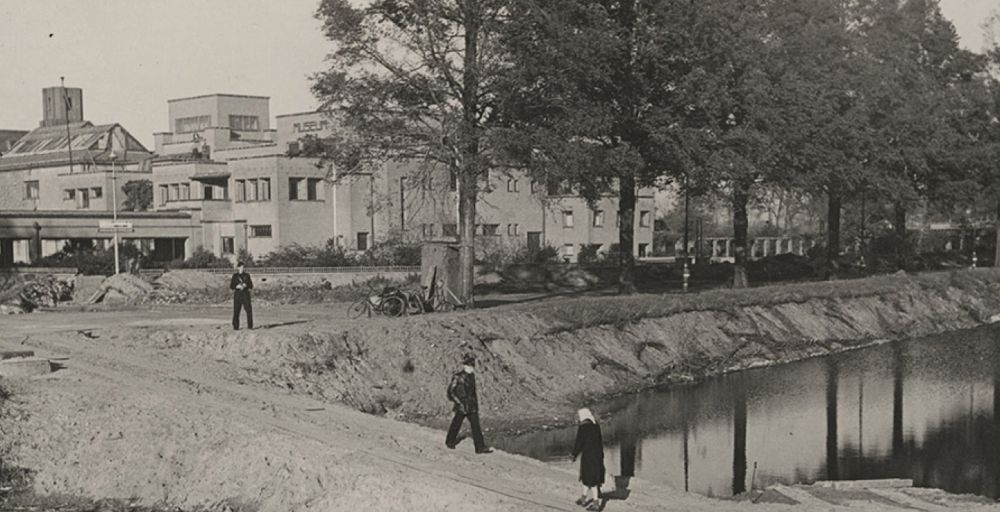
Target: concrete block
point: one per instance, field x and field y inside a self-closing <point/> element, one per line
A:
<point x="886" y="483"/>
<point x="24" y="367"/>
<point x="11" y="354"/>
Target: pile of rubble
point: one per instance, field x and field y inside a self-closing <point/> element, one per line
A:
<point x="31" y="294"/>
<point x="122" y="289"/>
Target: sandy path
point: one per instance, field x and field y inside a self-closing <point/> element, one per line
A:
<point x="124" y="419"/>
<point x="392" y="464"/>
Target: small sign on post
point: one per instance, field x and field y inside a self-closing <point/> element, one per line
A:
<point x="109" y="226"/>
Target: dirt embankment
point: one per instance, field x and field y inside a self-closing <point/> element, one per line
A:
<point x="540" y="361"/>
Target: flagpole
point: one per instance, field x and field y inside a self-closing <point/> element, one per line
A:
<point x="69" y="139"/>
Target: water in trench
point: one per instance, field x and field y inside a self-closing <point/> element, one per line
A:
<point x="926" y="409"/>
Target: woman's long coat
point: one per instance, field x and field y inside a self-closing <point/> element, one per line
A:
<point x="590" y="448"/>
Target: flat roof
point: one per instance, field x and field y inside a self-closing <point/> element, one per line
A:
<point x="220" y="94"/>
<point x="98" y="214"/>
<point x="301" y="113"/>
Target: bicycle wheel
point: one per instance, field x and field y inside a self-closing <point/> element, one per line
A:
<point x="443" y="305"/>
<point x="416" y="304"/>
<point x="358" y="309"/>
<point x="393" y="306"/>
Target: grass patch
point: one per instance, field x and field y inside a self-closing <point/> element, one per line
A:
<point x="571" y="314"/>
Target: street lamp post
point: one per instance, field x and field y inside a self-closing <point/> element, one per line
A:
<point x="114" y="206"/>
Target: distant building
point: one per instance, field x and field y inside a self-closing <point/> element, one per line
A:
<point x="224" y="180"/>
<point x="56" y="186"/>
<point x="253" y="192"/>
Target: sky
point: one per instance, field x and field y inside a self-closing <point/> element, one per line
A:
<point x="131" y="56"/>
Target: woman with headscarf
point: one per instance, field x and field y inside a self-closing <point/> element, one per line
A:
<point x="590" y="448"/>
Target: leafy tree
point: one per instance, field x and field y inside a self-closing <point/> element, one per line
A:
<point x="912" y="96"/>
<point x="588" y="95"/>
<point x="415" y="81"/>
<point x="138" y="195"/>
<point x="728" y="104"/>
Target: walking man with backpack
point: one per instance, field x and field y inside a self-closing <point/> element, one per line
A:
<point x="462" y="393"/>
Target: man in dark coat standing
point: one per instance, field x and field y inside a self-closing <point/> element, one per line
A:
<point x="462" y="393"/>
<point x="241" y="284"/>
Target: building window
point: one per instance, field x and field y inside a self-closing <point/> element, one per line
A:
<point x="175" y="191"/>
<point x="567" y="218"/>
<point x="644" y="217"/>
<point x="598" y="218"/>
<point x="449" y="229"/>
<point x="264" y="189"/>
<point x="69" y="194"/>
<point x="313" y="190"/>
<point x="208" y="192"/>
<point x="228" y="245"/>
<point x="31" y="189"/>
<point x="251" y="190"/>
<point x="192" y="124"/>
<point x="241" y="191"/>
<point x="83" y="198"/>
<point x="244" y="123"/>
<point x="569" y="250"/>
<point x="513" y="229"/>
<point x="163" y="194"/>
<point x="362" y="241"/>
<point x="428" y="230"/>
<point x="185" y="192"/>
<point x="533" y="186"/>
<point x="293" y="188"/>
<point x="491" y="229"/>
<point x="262" y="231"/>
<point x="427" y="184"/>
<point x="642" y="250"/>
<point x="512" y="185"/>
<point x="97" y="192"/>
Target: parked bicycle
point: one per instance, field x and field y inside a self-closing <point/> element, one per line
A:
<point x="389" y="302"/>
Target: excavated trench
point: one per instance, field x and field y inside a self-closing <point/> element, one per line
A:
<point x="533" y="368"/>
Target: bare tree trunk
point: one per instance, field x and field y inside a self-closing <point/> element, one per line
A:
<point x="741" y="224"/>
<point x="996" y="249"/>
<point x="470" y="165"/>
<point x="833" y="229"/>
<point x="899" y="229"/>
<point x="626" y="235"/>
<point x="467" y="188"/>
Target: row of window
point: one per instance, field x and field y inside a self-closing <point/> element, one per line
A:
<point x="185" y="192"/>
<point x="82" y="196"/>
<point x="305" y="189"/>
<point x="255" y="189"/>
<point x="645" y="219"/>
<point x="199" y="123"/>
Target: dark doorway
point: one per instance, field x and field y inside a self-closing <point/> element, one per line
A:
<point x="534" y="240"/>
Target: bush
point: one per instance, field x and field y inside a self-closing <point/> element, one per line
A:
<point x="782" y="267"/>
<point x="201" y="258"/>
<point x="588" y="254"/>
<point x="390" y="253"/>
<point x="94" y="262"/>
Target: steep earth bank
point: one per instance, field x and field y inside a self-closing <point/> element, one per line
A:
<point x="538" y="362"/>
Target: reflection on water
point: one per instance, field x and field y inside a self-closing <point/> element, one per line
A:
<point x="925" y="409"/>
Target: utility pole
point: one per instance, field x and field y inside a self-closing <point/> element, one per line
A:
<point x="114" y="206"/>
<point x="69" y="139"/>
